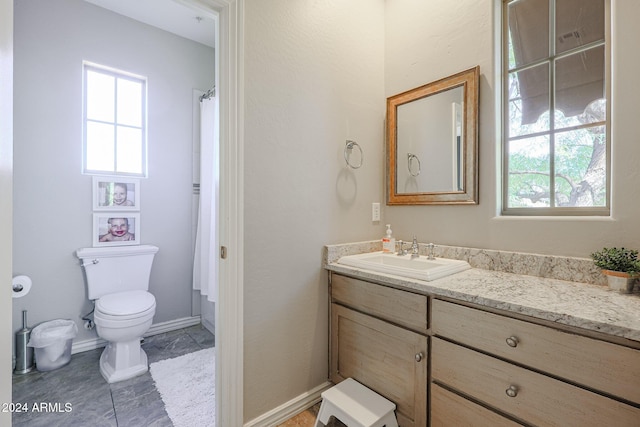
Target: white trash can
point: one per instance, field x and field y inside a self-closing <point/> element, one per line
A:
<point x="52" y="343"/>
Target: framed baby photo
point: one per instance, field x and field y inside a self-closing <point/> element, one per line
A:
<point x="116" y="229"/>
<point x="116" y="193"/>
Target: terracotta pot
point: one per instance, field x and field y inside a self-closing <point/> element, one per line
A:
<point x="621" y="282"/>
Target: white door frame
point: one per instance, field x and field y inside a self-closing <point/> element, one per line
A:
<point x="229" y="301"/>
<point x="6" y="203"/>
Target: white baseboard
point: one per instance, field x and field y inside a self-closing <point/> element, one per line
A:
<point x="155" y="329"/>
<point x="209" y="326"/>
<point x="291" y="408"/>
<point x="87" y="345"/>
<point x="172" y="325"/>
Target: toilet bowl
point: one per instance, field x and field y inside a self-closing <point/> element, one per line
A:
<point x="122" y="319"/>
<point x="118" y="282"/>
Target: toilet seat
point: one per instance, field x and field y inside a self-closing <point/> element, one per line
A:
<point x="126" y="305"/>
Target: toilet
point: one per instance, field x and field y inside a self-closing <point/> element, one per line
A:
<point x="118" y="283"/>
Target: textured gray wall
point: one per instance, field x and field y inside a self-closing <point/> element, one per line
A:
<point x="313" y="79"/>
<point x="428" y="40"/>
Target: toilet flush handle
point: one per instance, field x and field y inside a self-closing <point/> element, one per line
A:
<point x="93" y="262"/>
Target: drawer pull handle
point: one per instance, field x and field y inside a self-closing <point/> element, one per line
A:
<point x="512" y="342"/>
<point x="512" y="391"/>
<point x="419" y="357"/>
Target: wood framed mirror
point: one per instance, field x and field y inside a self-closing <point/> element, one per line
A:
<point x="432" y="142"/>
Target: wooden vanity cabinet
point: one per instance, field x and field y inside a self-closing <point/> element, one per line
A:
<point x="474" y="367"/>
<point x="529" y="372"/>
<point x="378" y="337"/>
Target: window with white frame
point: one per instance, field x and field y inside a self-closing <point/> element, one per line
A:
<point x="114" y="122"/>
<point x="555" y="115"/>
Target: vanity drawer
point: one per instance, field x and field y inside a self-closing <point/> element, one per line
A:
<point x="600" y="365"/>
<point x="535" y="398"/>
<point x="400" y="307"/>
<point x="450" y="409"/>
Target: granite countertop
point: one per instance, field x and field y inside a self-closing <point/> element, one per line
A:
<point x="588" y="306"/>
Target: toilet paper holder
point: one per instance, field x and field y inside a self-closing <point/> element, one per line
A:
<point x="21" y="285"/>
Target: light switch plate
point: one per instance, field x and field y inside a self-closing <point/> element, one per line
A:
<point x="375" y="211"/>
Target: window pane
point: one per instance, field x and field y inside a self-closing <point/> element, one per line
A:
<point x="529" y="100"/>
<point x="578" y="22"/>
<point x="129" y="103"/>
<point x="100" y="96"/>
<point x="528" y="31"/>
<point x="579" y="82"/>
<point x="556" y="108"/>
<point x="529" y="173"/>
<point x="580" y="159"/>
<point x="129" y="150"/>
<point x="115" y="121"/>
<point x="100" y="146"/>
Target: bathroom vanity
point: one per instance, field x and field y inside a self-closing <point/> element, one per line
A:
<point x="488" y="348"/>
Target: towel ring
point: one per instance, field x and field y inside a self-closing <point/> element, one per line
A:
<point x="347" y="150"/>
<point x="410" y="158"/>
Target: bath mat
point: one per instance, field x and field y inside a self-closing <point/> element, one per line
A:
<point x="187" y="387"/>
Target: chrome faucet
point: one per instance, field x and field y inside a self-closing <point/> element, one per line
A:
<point x="415" y="249"/>
<point x="430" y="249"/>
<point x="402" y="251"/>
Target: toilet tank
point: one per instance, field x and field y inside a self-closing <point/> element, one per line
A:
<point x="116" y="268"/>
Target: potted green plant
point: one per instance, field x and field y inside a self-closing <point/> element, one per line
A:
<point x="621" y="266"/>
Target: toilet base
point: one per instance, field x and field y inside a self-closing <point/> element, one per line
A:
<point x="123" y="360"/>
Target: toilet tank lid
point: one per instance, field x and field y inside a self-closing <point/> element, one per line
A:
<point x="112" y="251"/>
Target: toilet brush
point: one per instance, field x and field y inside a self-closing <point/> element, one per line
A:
<point x="24" y="354"/>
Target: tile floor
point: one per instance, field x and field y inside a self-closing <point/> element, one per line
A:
<point x="94" y="402"/>
<point x="131" y="403"/>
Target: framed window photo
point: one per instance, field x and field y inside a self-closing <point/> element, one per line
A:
<point x="116" y="193"/>
<point x="116" y="229"/>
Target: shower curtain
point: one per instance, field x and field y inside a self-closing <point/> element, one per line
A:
<point x="206" y="260"/>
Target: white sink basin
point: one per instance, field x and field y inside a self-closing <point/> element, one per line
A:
<point x="415" y="268"/>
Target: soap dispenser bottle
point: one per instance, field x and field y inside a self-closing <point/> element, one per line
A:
<point x="388" y="241"/>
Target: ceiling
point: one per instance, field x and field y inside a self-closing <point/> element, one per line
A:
<point x="170" y="15"/>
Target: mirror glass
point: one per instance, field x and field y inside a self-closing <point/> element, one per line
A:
<point x="432" y="142"/>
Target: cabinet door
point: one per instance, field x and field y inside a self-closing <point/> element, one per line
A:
<point x="390" y="360"/>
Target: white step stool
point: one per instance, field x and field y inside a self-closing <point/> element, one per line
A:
<point x="356" y="406"/>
